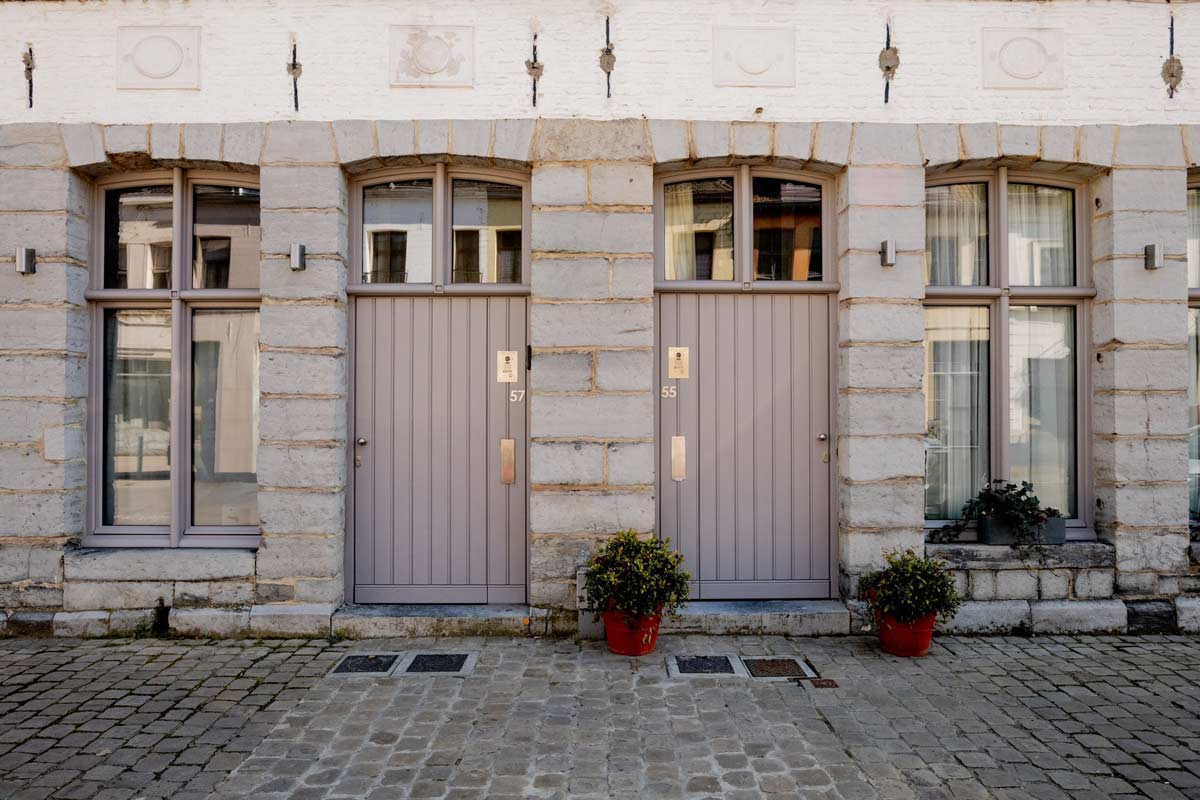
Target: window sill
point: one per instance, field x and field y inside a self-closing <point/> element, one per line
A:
<point x="1072" y="555"/>
<point x="162" y="540"/>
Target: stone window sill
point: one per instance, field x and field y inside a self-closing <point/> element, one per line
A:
<point x="1072" y="555"/>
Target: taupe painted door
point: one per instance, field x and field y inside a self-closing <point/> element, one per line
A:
<point x="752" y="511"/>
<point x="439" y="512"/>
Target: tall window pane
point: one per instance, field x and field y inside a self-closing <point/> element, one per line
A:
<point x="699" y="230"/>
<point x="787" y="230"/>
<point x="486" y="218"/>
<point x="1194" y="415"/>
<point x="956" y="407"/>
<point x="1041" y="402"/>
<point x="137" y="418"/>
<point x="225" y="230"/>
<point x="1193" y="238"/>
<point x="956" y="235"/>
<point x="1041" y="235"/>
<point x="137" y="238"/>
<point x="224" y="417"/>
<point x="398" y="232"/>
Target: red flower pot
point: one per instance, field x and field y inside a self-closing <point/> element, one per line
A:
<point x="630" y="635"/>
<point x="908" y="639"/>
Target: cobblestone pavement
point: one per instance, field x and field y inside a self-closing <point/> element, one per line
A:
<point x="1048" y="717"/>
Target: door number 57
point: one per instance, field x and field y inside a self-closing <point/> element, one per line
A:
<point x="668" y="391"/>
<point x="516" y="395"/>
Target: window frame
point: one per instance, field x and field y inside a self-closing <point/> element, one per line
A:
<point x="180" y="300"/>
<point x="999" y="296"/>
<point x="442" y="270"/>
<point x="1193" y="302"/>
<point x="744" y="274"/>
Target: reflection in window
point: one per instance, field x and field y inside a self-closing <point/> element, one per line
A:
<point x="137" y="238"/>
<point x="956" y="231"/>
<point x="486" y="219"/>
<point x="225" y="224"/>
<point x="787" y="230"/>
<point x="956" y="407"/>
<point x="1041" y="235"/>
<point x="1193" y="238"/>
<point x="137" y="418"/>
<point x="699" y="230"/>
<point x="224" y="417"/>
<point x="1194" y="416"/>
<point x="1041" y="407"/>
<point x="398" y="232"/>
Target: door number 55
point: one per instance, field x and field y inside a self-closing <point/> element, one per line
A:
<point x="516" y="395"/>
<point x="668" y="391"/>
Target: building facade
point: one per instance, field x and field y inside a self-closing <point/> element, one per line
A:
<point x="313" y="321"/>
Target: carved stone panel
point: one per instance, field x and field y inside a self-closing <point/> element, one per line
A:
<point x="1023" y="58"/>
<point x="158" y="57"/>
<point x="754" y="56"/>
<point x="426" y="55"/>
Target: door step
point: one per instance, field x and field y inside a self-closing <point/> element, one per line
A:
<point x="761" y="617"/>
<point x="386" y="621"/>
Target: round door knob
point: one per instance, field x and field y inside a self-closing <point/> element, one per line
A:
<point x="362" y="440"/>
<point x="823" y="437"/>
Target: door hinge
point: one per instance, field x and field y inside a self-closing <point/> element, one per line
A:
<point x="528" y="357"/>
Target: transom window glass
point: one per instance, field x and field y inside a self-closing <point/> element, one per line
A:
<point x="782" y="238"/>
<point x="176" y="447"/>
<point x="1002" y="358"/>
<point x="447" y="228"/>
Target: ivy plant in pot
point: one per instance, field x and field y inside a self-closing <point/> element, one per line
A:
<point x="631" y="582"/>
<point x="1011" y="514"/>
<point x="907" y="596"/>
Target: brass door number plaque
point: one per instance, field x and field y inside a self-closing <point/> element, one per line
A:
<point x="506" y="366"/>
<point x="677" y="363"/>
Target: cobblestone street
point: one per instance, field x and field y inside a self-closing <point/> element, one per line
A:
<point x="1048" y="717"/>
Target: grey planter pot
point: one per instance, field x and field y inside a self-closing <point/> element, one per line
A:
<point x="995" y="532"/>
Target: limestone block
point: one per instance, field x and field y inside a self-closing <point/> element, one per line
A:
<point x="630" y="463"/>
<point x="127" y="138"/>
<point x="940" y="143"/>
<point x="877" y="143"/>
<point x="710" y="139"/>
<point x="283" y="556"/>
<point x="322" y="232"/>
<point x="321" y="590"/>
<point x="1187" y="614"/>
<point x="301" y="465"/>
<point x="22" y="467"/>
<point x="157" y="564"/>
<point x="513" y="139"/>
<point x="983" y="585"/>
<point x="1078" y="616"/>
<point x="303" y="187"/>
<point x="593" y="232"/>
<point x="395" y="138"/>
<point x="861" y="275"/>
<point x="303" y="326"/>
<point x="879" y="458"/>
<point x="862" y="551"/>
<point x="566" y="463"/>
<point x="571" y="278"/>
<point x="1146" y="506"/>
<point x="321" y="278"/>
<point x="882" y="366"/>
<point x="896" y="504"/>
<point x="1058" y="143"/>
<point x="27" y="420"/>
<point x="433" y="136"/>
<point x="624" y="370"/>
<point x="591" y="140"/>
<point x="1054" y="584"/>
<point x="1097" y="144"/>
<point x="42" y="514"/>
<point x="1136" y="583"/>
<point x="1094" y="584"/>
<point x="302" y="418"/>
<point x="669" y="138"/>
<point x="751" y="139"/>
<point x="124" y="622"/>
<point x="242" y="143"/>
<point x="300" y="619"/>
<point x="1139" y="369"/>
<point x="20" y="562"/>
<point x="111" y="594"/>
<point x="22" y="622"/>
<point x="84" y="144"/>
<point x="81" y="624"/>
<point x="301" y="373"/>
<point x="632" y="278"/>
<point x="831" y="143"/>
<point x="590" y="512"/>
<point x="53" y="235"/>
<point x="1019" y="141"/>
<point x="980" y="141"/>
<point x="794" y="140"/>
<point x="621" y="184"/>
<point x="556" y="593"/>
<point x="202" y="141"/>
<point x="600" y="416"/>
<point x="561" y="372"/>
<point x="884" y="321"/>
<point x="217" y="622"/>
<point x="354" y="139"/>
<point x="166" y="141"/>
<point x="301" y="512"/>
<point x="1149" y="145"/>
<point x="561" y="556"/>
<point x="1128" y="279"/>
<point x="1001" y="617"/>
<point x="1140" y="459"/>
<point x="592" y="324"/>
<point x="884" y="186"/>
<point x="1160" y="552"/>
<point x="866" y="413"/>
<point x="35" y="376"/>
<point x="213" y="593"/>
<point x="559" y="185"/>
<point x="1131" y="189"/>
<point x="62" y="443"/>
<point x="38" y="190"/>
<point x="49" y="329"/>
<point x="867" y="226"/>
<point x="31" y="144"/>
<point x="299" y="142"/>
<point x="471" y="137"/>
<point x="1016" y="584"/>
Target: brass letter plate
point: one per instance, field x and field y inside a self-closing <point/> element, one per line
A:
<point x="677" y="362"/>
<point x="506" y="366"/>
<point x="508" y="461"/>
<point x="678" y="458"/>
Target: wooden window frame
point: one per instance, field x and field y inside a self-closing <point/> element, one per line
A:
<point x="744" y="278"/>
<point x="442" y="176"/>
<point x="1193" y="303"/>
<point x="999" y="296"/>
<point x="180" y="300"/>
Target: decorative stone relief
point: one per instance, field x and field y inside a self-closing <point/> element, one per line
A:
<point x="158" y="57"/>
<point x="1023" y="58"/>
<point x="423" y="55"/>
<point x="754" y="56"/>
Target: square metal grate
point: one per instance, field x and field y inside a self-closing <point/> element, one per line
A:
<point x="714" y="665"/>
<point x="778" y="668"/>
<point x="366" y="664"/>
<point x="437" y="664"/>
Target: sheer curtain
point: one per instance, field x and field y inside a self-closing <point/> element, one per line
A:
<point x="1193" y="238"/>
<point x="956" y="245"/>
<point x="956" y="407"/>
<point x="698" y="230"/>
<point x="680" y="237"/>
<point x="1041" y="410"/>
<point x="1041" y="235"/>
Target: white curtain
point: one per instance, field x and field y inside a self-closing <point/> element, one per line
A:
<point x="1041" y="409"/>
<point x="1041" y="235"/>
<point x="956" y="235"/>
<point x="680" y="237"/>
<point x="698" y="233"/>
<point x="956" y="407"/>
<point x="1193" y="238"/>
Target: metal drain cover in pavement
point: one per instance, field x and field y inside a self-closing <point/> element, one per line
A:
<point x="366" y="664"/>
<point x="437" y="664"/>
<point x="715" y="665"/>
<point x="779" y="668"/>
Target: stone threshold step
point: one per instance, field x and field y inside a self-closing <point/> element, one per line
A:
<point x="385" y="621"/>
<point x="761" y="617"/>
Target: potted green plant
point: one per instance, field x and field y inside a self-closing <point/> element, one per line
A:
<point x="1007" y="513"/>
<point x="631" y="582"/>
<point x="907" y="596"/>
